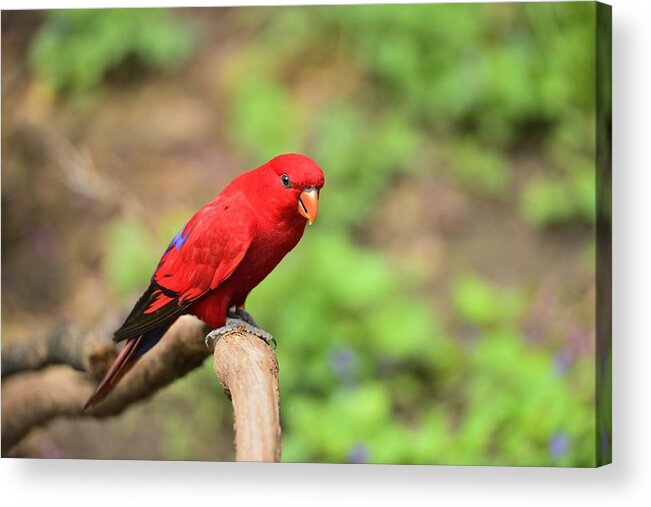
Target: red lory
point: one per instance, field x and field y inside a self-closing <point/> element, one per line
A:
<point x="226" y="249"/>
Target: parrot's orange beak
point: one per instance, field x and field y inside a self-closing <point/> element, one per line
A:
<point x="308" y="204"/>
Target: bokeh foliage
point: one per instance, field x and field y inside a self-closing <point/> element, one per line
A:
<point x="75" y="49"/>
<point x="371" y="369"/>
<point x="396" y="386"/>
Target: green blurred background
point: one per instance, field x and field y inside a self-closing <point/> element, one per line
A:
<point x="442" y="308"/>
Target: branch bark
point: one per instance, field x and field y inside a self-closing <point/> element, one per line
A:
<point x="66" y="344"/>
<point x="33" y="398"/>
<point x="245" y="365"/>
<point x="248" y="370"/>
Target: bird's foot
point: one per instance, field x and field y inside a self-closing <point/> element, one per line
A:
<point x="235" y="312"/>
<point x="236" y="324"/>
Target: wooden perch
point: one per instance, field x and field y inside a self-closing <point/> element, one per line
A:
<point x="248" y="370"/>
<point x="244" y="364"/>
<point x="66" y="344"/>
<point x="31" y="399"/>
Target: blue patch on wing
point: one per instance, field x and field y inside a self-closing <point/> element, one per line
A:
<point x="179" y="239"/>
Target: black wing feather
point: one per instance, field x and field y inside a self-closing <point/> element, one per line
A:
<point x="138" y="322"/>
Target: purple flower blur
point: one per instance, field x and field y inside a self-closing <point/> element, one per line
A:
<point x="343" y="362"/>
<point x="563" y="360"/>
<point x="605" y="443"/>
<point x="359" y="454"/>
<point x="49" y="450"/>
<point x="559" y="444"/>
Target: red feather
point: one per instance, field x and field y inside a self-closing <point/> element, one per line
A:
<point x="122" y="364"/>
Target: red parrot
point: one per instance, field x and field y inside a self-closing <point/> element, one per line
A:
<point x="226" y="249"/>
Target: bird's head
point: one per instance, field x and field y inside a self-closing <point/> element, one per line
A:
<point x="293" y="182"/>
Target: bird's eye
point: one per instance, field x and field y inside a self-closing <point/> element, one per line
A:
<point x="285" y="181"/>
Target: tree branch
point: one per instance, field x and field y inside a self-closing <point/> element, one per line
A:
<point x="245" y="366"/>
<point x="31" y="399"/>
<point x="248" y="370"/>
<point x="92" y="352"/>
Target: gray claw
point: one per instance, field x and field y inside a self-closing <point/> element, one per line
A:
<point x="216" y="334"/>
<point x="234" y="324"/>
<point x="240" y="313"/>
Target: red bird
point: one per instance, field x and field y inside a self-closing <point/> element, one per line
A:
<point x="226" y="249"/>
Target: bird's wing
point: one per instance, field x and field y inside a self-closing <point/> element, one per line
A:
<point x="200" y="257"/>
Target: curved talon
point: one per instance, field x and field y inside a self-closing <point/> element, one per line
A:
<point x="216" y="334"/>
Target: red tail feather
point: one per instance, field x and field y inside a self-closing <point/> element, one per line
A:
<point x="122" y="364"/>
